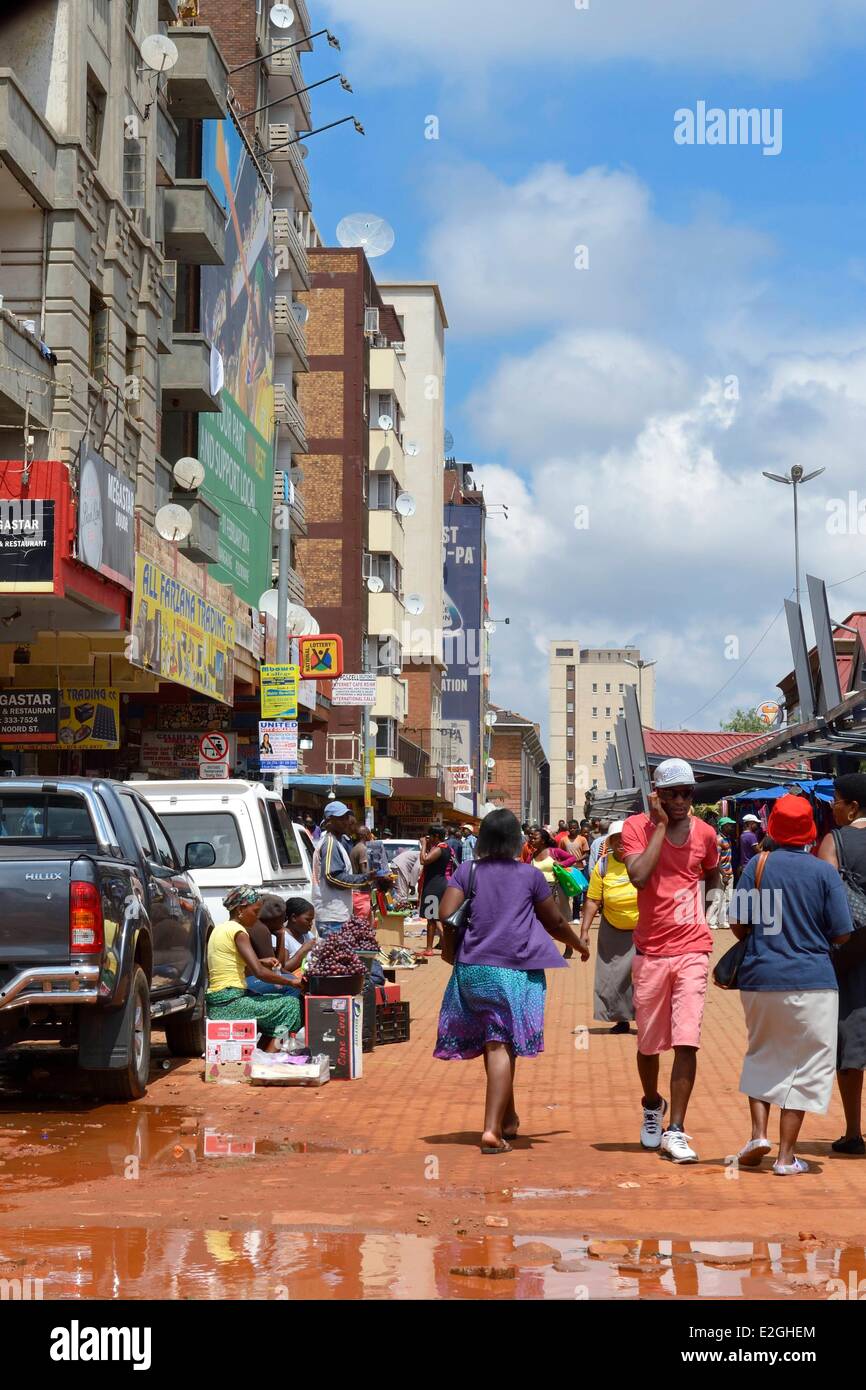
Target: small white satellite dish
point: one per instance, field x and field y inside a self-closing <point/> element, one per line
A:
<point x="491" y="762"/>
<point x="268" y="603"/>
<point x="158" y="52"/>
<point x="412" y="450"/>
<point x="448" y="441"/>
<point x="373" y="727"/>
<point x="368" y="230"/>
<point x="405" y="504"/>
<point x="375" y="584"/>
<point x="490" y="718"/>
<point x="386" y="423"/>
<point x="414" y="604"/>
<point x="282" y="17"/>
<point x="300" y="312"/>
<point x="173" y="522"/>
<point x="489" y="625"/>
<point x="188" y="473"/>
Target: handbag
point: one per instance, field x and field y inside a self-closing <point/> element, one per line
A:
<point x="454" y="926"/>
<point x="727" y="967"/>
<point x="853" y="951"/>
<point x="571" y="881"/>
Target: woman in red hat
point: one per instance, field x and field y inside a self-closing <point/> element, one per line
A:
<point x="791" y="906"/>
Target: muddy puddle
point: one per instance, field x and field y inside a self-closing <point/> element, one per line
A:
<point x="49" y="1149"/>
<point x="234" y="1264"/>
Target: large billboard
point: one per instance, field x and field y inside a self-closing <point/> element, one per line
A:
<point x="179" y="635"/>
<point x="462" y="634"/>
<point x="236" y="447"/>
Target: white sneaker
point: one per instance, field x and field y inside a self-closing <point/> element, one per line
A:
<point x="676" y="1145"/>
<point x="651" y="1129"/>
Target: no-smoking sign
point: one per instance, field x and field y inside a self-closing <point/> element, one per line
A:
<point x="213" y="756"/>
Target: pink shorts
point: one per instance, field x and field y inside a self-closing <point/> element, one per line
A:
<point x="669" y="995"/>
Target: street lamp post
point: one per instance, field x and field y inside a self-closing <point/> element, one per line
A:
<point x="796" y="477"/>
<point x="639" y="667"/>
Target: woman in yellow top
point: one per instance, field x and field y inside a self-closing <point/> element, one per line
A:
<point x="612" y="892"/>
<point x="231" y="957"/>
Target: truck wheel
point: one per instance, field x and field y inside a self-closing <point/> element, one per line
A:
<point x="185" y="1033"/>
<point x="129" y="1082"/>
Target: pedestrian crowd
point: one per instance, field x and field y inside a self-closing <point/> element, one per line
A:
<point x="657" y="885"/>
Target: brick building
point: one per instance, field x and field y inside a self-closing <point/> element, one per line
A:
<point x="516" y="781"/>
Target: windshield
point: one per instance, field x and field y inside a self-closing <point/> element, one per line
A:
<point x="218" y="828"/>
<point x="395" y="847"/>
<point x="37" y="816"/>
<point x="287" y="846"/>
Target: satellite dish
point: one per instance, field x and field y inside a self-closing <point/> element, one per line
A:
<point x="490" y="718"/>
<point x="173" y="522"/>
<point x="373" y="727"/>
<point x="299" y="621"/>
<point x="300" y="312"/>
<point x="412" y="450"/>
<point x="414" y="604"/>
<point x="375" y="584"/>
<point x="158" y="52"/>
<point x="188" y="473"/>
<point x="386" y="423"/>
<point x="449" y="441"/>
<point x="489" y="625"/>
<point x="405" y="504"/>
<point x="491" y="762"/>
<point x="367" y="230"/>
<point x="282" y="17"/>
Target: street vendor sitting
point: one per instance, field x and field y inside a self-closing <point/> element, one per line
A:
<point x="271" y="922"/>
<point x="231" y="958"/>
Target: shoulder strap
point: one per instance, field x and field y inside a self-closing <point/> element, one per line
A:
<point x="759" y="871"/>
<point x="602" y="865"/>
<point x="470" y="887"/>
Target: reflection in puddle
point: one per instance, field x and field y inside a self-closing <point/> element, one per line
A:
<point x="278" y="1264"/>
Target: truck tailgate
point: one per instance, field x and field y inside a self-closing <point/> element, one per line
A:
<point x="34" y="910"/>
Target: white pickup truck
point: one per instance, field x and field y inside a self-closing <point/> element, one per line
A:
<point x="253" y="838"/>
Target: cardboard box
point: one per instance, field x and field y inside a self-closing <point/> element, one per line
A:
<point x="230" y="1051"/>
<point x="390" y="931"/>
<point x="334" y="1027"/>
<point x="231" y="1072"/>
<point x="388" y="994"/>
<point x="313" y="1073"/>
<point x="231" y="1030"/>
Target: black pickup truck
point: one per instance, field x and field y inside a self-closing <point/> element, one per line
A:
<point x="102" y="930"/>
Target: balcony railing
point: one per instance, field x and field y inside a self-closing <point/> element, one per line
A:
<point x="415" y="760"/>
<point x="288" y="415"/>
<point x="288" y="238"/>
<point x="441" y="743"/>
<point x="289" y="332"/>
<point x="287" y="156"/>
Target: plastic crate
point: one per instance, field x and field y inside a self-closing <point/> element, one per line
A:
<point x="392" y="1023"/>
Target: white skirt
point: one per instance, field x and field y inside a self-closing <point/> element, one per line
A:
<point x="791" y="1061"/>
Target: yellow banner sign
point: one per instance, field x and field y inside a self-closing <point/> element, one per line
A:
<point x="179" y="635"/>
<point x="89" y="717"/>
<point x="279" y="692"/>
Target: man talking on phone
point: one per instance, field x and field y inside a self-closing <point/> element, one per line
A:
<point x="672" y="859"/>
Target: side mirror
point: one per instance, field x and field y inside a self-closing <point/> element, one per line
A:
<point x="199" y="854"/>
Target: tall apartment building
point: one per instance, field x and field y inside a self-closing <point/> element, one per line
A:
<point x="419" y="308"/>
<point x="586" y="687"/>
<point x="353" y="473"/>
<point x="115" y="182"/>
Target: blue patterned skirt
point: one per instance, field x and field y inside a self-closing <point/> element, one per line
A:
<point x="487" y="1003"/>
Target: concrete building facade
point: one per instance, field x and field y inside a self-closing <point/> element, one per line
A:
<point x="586" y="688"/>
<point x="516" y="780"/>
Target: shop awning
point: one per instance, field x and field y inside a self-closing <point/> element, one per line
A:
<point x="321" y="782"/>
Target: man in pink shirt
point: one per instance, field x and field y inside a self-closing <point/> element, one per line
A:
<point x="672" y="859"/>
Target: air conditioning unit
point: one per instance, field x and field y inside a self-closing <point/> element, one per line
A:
<point x="371" y="321"/>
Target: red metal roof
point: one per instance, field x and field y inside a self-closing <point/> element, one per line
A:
<point x="700" y="747"/>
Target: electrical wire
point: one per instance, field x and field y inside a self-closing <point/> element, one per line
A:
<point x="734" y="675"/>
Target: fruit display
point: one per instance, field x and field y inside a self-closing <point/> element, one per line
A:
<point x="360" y="935"/>
<point x="334" y="955"/>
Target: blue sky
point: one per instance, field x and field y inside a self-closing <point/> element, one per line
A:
<point x="606" y="387"/>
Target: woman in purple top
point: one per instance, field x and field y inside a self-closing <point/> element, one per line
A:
<point x="494" y="1002"/>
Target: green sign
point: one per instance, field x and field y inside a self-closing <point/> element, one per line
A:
<point x="236" y="446"/>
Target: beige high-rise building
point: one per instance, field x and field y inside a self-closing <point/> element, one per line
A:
<point x="586" y="695"/>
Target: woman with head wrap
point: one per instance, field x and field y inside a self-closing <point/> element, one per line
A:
<point x="792" y="908"/>
<point x="845" y="848"/>
<point x="231" y="957"/>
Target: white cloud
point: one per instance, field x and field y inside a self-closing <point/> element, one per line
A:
<point x="398" y="38"/>
<point x="509" y="256"/>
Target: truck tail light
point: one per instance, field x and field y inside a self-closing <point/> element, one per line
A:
<point x="85" y="919"/>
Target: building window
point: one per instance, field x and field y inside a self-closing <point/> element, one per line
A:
<point x="386" y="738"/>
<point x="621" y="688"/>
<point x="595" y="735"/>
<point x="607" y="688"/>
<point x="565" y="651"/>
<point x="607" y="736"/>
<point x="595" y="760"/>
<point x="98" y="337"/>
<point x="383" y="492"/>
<point x="595" y="711"/>
<point x="569" y="709"/>
<point x="390" y="571"/>
<point x="595" y="687"/>
<point x="594" y="782"/>
<point x="569" y="685"/>
<point x="570" y="731"/>
<point x="93" y="115"/>
<point x="607" y="711"/>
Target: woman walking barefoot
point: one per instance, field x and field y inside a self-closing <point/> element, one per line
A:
<point x="494" y="1003"/>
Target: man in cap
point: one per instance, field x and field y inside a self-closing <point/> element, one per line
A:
<point x="671" y="857"/>
<point x="717" y="907"/>
<point x="750" y="839"/>
<point x="333" y="879"/>
<point x="467" y="844"/>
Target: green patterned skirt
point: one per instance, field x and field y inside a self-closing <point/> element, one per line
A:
<point x="275" y="1013"/>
